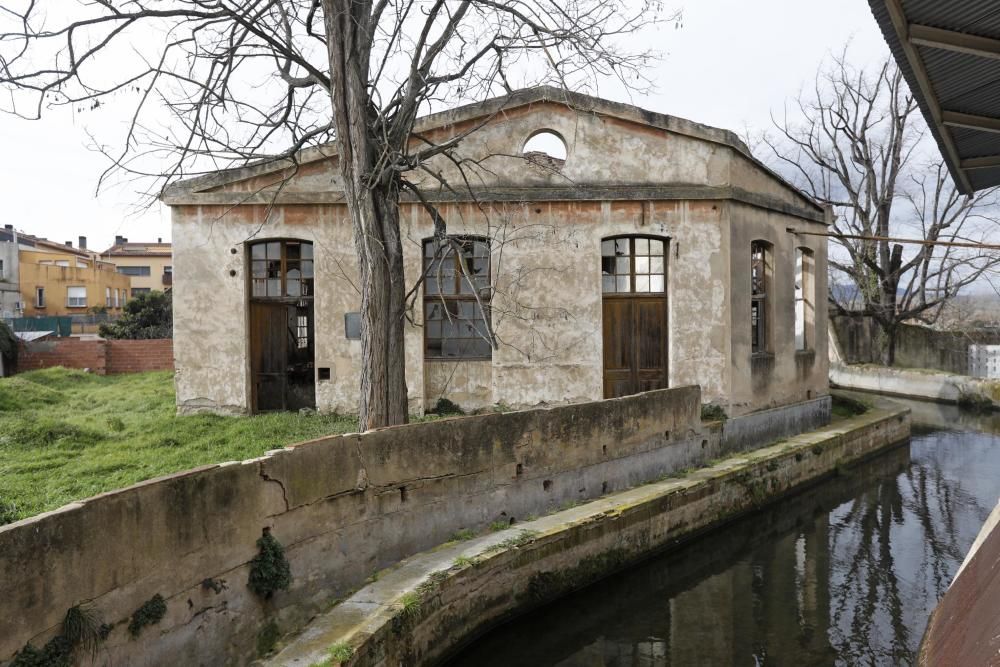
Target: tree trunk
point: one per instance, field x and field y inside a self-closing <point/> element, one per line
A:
<point x="889" y="349"/>
<point x="373" y="204"/>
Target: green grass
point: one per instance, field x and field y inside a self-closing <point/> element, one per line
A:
<point x="67" y="435"/>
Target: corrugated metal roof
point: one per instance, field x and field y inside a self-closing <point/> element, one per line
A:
<point x="28" y="336"/>
<point x="949" y="73"/>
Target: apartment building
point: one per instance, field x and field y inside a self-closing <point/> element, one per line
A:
<point x="148" y="265"/>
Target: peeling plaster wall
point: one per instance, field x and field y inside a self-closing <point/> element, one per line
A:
<point x="343" y="507"/>
<point x="545" y="268"/>
<point x="786" y="375"/>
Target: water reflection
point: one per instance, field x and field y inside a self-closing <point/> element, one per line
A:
<point x="844" y="573"/>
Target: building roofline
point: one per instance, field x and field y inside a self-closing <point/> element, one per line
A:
<point x="892" y="21"/>
<point x="181" y="190"/>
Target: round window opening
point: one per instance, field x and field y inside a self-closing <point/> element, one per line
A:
<point x="546" y="149"/>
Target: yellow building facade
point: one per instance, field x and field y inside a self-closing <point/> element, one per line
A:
<point x="149" y="266"/>
<point x="57" y="281"/>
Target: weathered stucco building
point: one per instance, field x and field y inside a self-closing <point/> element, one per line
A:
<point x="638" y="251"/>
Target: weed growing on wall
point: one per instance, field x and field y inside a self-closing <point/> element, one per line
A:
<point x="411" y="604"/>
<point x="340" y="652"/>
<point x="269" y="570"/>
<point x="713" y="413"/>
<point x="151" y="612"/>
<point x="81" y="628"/>
<point x="446" y="407"/>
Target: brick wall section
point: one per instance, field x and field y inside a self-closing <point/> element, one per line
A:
<point x="138" y="356"/>
<point x="103" y="357"/>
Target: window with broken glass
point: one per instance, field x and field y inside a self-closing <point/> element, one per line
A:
<point x="758" y="297"/>
<point x="633" y="265"/>
<point x="281" y="269"/>
<point x="457" y="298"/>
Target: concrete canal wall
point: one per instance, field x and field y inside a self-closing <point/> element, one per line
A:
<point x="420" y="611"/>
<point x="343" y="507"/>
<point x="941" y="387"/>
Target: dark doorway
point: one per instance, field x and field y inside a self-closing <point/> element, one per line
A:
<point x="633" y="275"/>
<point x="282" y="326"/>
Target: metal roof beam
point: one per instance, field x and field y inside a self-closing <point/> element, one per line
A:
<point x="970" y="121"/>
<point x="950" y="40"/>
<point x="984" y="162"/>
<point x="901" y="26"/>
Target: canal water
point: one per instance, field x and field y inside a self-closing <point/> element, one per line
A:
<point x="844" y="573"/>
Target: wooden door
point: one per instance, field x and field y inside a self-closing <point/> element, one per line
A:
<point x="635" y="344"/>
<point x="281" y="351"/>
<point x="633" y="283"/>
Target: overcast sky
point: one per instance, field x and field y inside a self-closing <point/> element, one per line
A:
<point x="730" y="65"/>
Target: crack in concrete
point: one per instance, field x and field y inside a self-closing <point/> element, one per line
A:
<point x="268" y="478"/>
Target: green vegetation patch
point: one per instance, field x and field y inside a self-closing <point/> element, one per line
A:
<point x="151" y="612"/>
<point x="269" y="569"/>
<point x="66" y="435"/>
<point x="845" y="408"/>
<point x="710" y="412"/>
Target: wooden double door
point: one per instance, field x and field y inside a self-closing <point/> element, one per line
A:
<point x="635" y="344"/>
<point x="281" y="356"/>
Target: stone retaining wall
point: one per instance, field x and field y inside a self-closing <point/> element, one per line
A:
<point x="343" y="507"/>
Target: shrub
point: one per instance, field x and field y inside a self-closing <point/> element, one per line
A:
<point x="711" y="412"/>
<point x="8" y="346"/>
<point x="269" y="569"/>
<point x="147" y="315"/>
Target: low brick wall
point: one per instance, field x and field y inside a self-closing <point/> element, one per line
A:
<point x="103" y="357"/>
<point x="138" y="356"/>
<point x="343" y="506"/>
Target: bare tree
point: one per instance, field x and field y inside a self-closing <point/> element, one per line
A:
<point x="217" y="83"/>
<point x="856" y="142"/>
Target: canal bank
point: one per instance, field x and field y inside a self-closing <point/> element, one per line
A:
<point x="423" y="609"/>
<point x="920" y="384"/>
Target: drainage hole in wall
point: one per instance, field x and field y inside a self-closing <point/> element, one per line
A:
<point x="704" y="444"/>
<point x="604" y="449"/>
<point x="666" y="435"/>
<point x="604" y="487"/>
<point x="402" y="494"/>
<point x="519" y="469"/>
<point x="546" y="485"/>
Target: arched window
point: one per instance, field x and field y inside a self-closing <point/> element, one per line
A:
<point x="805" y="296"/>
<point x="760" y="284"/>
<point x="281" y="269"/>
<point x="633" y="264"/>
<point x="545" y="148"/>
<point x="457" y="298"/>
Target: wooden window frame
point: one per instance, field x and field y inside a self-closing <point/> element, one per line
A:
<point x="633" y="275"/>
<point x="283" y="297"/>
<point x="804" y="272"/>
<point x="457" y="297"/>
<point x="760" y="331"/>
